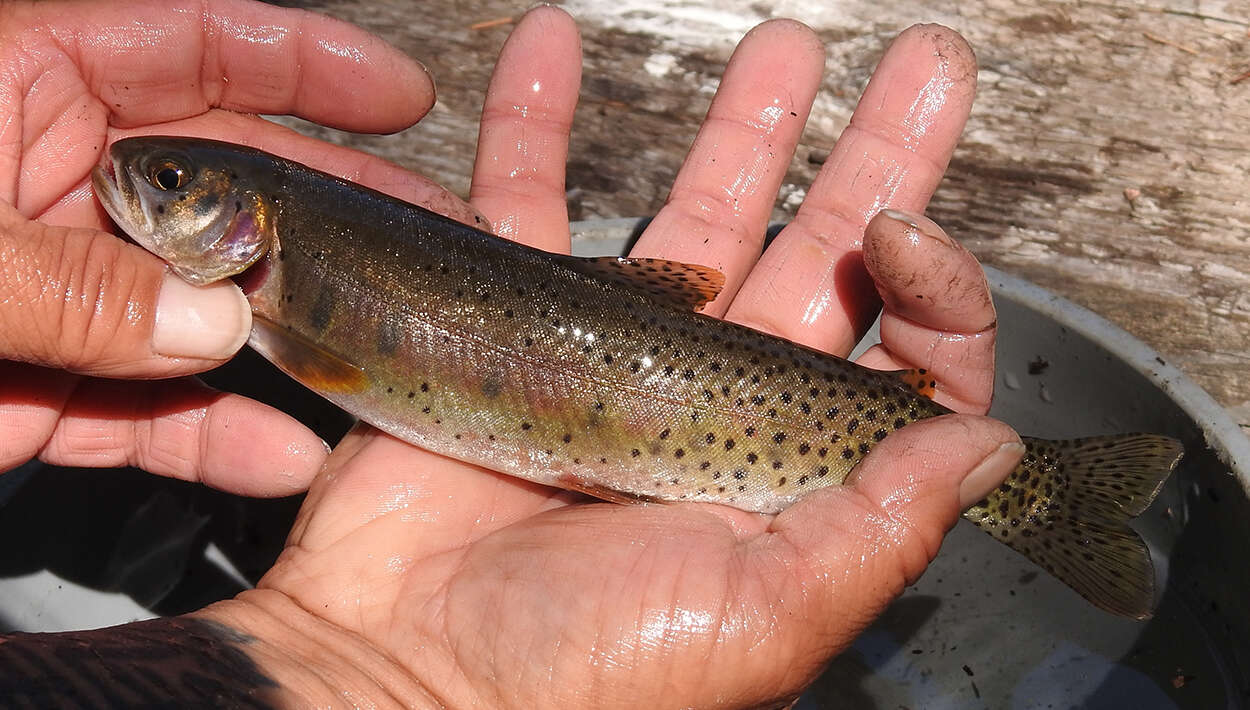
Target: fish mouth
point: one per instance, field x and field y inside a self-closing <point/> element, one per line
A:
<point x="112" y="189"/>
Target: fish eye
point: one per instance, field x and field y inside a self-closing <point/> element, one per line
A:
<point x="168" y="175"/>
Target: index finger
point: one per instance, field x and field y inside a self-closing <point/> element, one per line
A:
<point x="155" y="61"/>
<point x="811" y="286"/>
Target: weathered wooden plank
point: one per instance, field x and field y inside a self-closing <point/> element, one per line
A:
<point x="1107" y="157"/>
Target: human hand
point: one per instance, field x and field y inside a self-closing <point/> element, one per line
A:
<point x="435" y="582"/>
<point x="77" y="304"/>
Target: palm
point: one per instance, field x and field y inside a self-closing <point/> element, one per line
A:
<point x="444" y="565"/>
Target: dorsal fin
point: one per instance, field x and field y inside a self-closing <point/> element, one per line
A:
<point x="688" y="286"/>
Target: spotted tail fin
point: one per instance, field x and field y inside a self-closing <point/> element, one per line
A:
<point x="1065" y="508"/>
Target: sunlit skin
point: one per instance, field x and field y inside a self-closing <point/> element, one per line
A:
<point x="413" y="579"/>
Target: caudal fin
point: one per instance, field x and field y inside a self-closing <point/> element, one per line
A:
<point x="1065" y="508"/>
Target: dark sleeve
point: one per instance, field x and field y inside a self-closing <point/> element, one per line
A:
<point x="178" y="662"/>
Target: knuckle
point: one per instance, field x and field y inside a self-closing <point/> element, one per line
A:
<point x="88" y="304"/>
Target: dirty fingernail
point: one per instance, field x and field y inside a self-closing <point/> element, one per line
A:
<point x="922" y="224"/>
<point x="987" y="475"/>
<point x="210" y="322"/>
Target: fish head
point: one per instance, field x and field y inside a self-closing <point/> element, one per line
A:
<point x="192" y="202"/>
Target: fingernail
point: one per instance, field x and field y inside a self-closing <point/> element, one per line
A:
<point x="987" y="475"/>
<point x="210" y="322"/>
<point x="922" y="224"/>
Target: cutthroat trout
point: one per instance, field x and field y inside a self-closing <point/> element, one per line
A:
<point x="595" y="374"/>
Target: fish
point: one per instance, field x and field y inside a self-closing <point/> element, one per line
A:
<point x="590" y="374"/>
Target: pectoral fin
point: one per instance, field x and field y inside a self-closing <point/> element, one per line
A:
<point x="309" y="363"/>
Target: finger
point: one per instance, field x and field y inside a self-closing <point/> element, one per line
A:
<point x="180" y="429"/>
<point x="151" y="62"/>
<point x="522" y="147"/>
<point x="160" y="61"/>
<point x="79" y="206"/>
<point x="811" y="286"/>
<point x="938" y="315"/>
<point x="860" y="544"/>
<point x="719" y="207"/>
<point x="84" y="301"/>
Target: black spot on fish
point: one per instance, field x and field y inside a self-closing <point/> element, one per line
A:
<point x="492" y="386"/>
<point x="526" y="426"/>
<point x="752" y="458"/>
<point x="322" y="310"/>
<point x="635" y="453"/>
<point x="388" y="337"/>
<point x="729" y="444"/>
<point x="160" y="209"/>
<point x="779" y="437"/>
<point x="664" y="434"/>
<point x="411" y="394"/>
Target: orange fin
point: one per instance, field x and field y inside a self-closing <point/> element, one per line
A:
<point x="309" y="363"/>
<point x="683" y="285"/>
<point x="919" y="380"/>
<point x="581" y="485"/>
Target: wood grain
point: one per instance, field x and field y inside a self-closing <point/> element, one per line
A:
<point x="1106" y="159"/>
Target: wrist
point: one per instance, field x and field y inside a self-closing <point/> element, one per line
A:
<point x="311" y="662"/>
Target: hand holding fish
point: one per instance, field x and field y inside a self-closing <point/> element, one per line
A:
<point x="85" y="304"/>
<point x="415" y="579"/>
<point x="487" y="590"/>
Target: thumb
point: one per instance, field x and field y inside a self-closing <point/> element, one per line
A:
<point x="85" y="301"/>
<point x="862" y="543"/>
